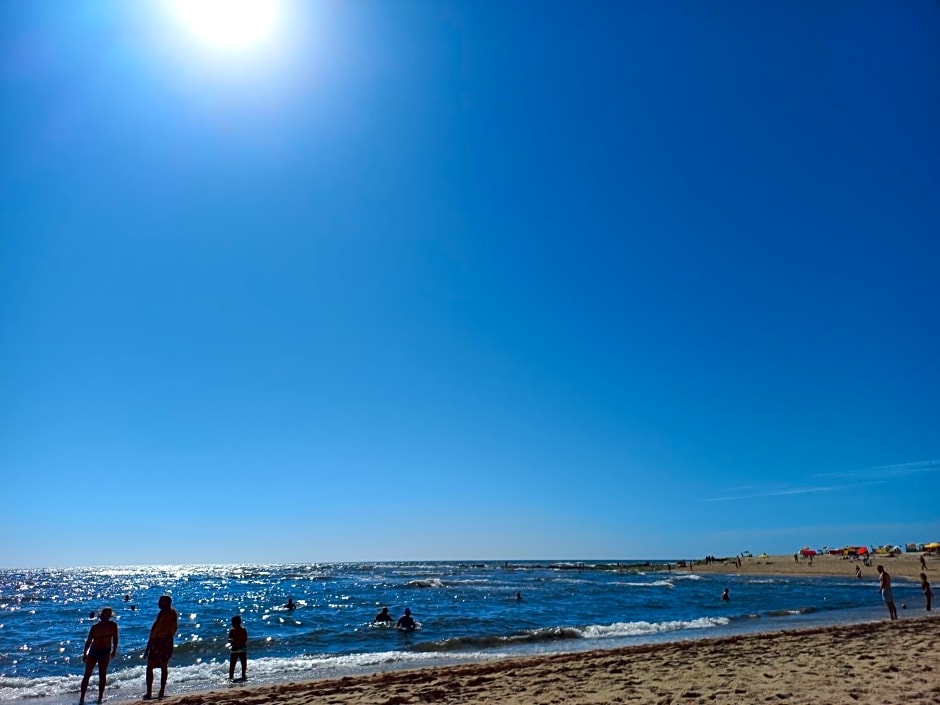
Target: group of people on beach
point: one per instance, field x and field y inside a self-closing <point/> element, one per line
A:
<point x="102" y="643"/>
<point x="884" y="587"/>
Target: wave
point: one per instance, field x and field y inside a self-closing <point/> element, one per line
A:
<point x="652" y="583"/>
<point x="791" y="613"/>
<point x="555" y="634"/>
<point x="425" y="583"/>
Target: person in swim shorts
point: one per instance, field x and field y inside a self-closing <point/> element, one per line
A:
<point x="238" y="638"/>
<point x="100" y="647"/>
<point x="884" y="587"/>
<point x="160" y="645"/>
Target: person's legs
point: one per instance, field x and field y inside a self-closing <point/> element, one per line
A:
<point x="149" y="680"/>
<point x="89" y="667"/>
<point x="244" y="659"/>
<point x="102" y="676"/>
<point x="231" y="667"/>
<point x="164" y="672"/>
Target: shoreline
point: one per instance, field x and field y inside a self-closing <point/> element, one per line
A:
<point x="883" y="662"/>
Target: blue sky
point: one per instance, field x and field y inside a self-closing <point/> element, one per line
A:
<point x="485" y="280"/>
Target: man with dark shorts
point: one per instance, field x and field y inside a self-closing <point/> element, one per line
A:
<point x="100" y="647"/>
<point x="160" y="645"/>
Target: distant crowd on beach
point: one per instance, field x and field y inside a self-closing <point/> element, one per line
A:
<point x="884" y="578"/>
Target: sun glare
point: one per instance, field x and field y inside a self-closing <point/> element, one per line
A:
<point x="229" y="24"/>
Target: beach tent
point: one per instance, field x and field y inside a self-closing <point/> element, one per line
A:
<point x="932" y="547"/>
<point x="862" y="551"/>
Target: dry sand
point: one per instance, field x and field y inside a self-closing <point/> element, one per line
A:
<point x="883" y="662"/>
<point x="903" y="567"/>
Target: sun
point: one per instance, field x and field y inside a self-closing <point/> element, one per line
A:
<point x="229" y="24"/>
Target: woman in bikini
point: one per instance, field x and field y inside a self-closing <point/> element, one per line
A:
<point x="100" y="647"/>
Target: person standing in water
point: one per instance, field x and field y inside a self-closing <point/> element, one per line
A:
<point x="100" y="647"/>
<point x="383" y="617"/>
<point x="406" y="622"/>
<point x="160" y="645"/>
<point x="925" y="586"/>
<point x="238" y="638"/>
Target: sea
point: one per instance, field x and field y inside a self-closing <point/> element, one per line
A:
<point x="466" y="612"/>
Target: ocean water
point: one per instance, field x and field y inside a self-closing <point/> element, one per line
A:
<point x="466" y="611"/>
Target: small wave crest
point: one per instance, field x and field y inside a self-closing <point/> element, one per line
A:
<point x="554" y="634"/>
<point x="652" y="583"/>
<point x="425" y="583"/>
<point x="791" y="613"/>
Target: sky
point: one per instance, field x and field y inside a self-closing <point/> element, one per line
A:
<point x="415" y="280"/>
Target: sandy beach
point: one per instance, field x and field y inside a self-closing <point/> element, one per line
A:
<point x="868" y="663"/>
<point x="905" y="566"/>
<point x="881" y="662"/>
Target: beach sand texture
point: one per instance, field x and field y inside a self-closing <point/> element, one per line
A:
<point x="877" y="663"/>
<point x="866" y="663"/>
<point x="904" y="566"/>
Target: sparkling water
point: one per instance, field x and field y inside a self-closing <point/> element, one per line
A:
<point x="466" y="611"/>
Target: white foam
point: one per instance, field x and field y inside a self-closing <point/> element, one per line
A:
<point x="622" y="629"/>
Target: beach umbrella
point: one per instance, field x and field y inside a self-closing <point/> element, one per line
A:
<point x="862" y="550"/>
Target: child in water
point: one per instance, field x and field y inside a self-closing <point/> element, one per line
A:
<point x="238" y="638"/>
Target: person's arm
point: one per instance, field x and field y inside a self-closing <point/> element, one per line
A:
<point x="150" y="638"/>
<point x="88" y="642"/>
<point x="114" y="641"/>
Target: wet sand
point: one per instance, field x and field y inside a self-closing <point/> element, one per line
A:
<point x="881" y="662"/>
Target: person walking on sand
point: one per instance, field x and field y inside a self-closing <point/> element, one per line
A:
<point x="925" y="586"/>
<point x="858" y="572"/>
<point x="884" y="587"/>
<point x="923" y="562"/>
<point x="160" y="645"/>
<point x="238" y="638"/>
<point x="100" y="647"/>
